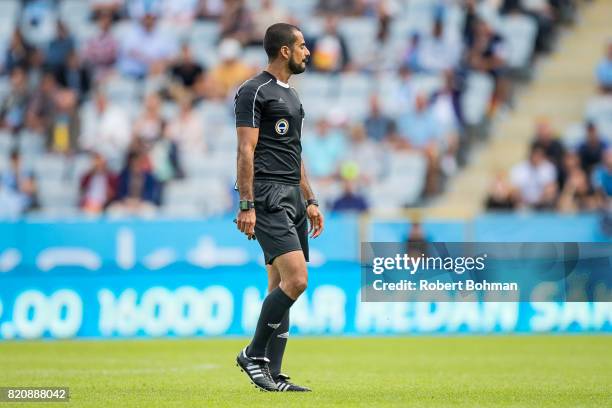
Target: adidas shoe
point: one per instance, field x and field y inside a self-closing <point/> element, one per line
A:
<point x="283" y="385"/>
<point x="257" y="369"/>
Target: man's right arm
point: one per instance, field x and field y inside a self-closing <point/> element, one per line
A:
<point x="247" y="140"/>
<point x="247" y="108"/>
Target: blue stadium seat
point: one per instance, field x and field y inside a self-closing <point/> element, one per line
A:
<point x="55" y="213"/>
<point x="51" y="167"/>
<point x="121" y="28"/>
<point x="298" y="8"/>
<point x="519" y="33"/>
<point x="57" y="193"/>
<point x="475" y="99"/>
<point x="208" y="196"/>
<point x="317" y="106"/>
<point x="122" y="89"/>
<point x="182" y="210"/>
<point x="6" y="142"/>
<point x="355" y="108"/>
<point x="31" y="143"/>
<point x="75" y="13"/>
<point x="574" y="134"/>
<point x="355" y="85"/>
<point x="359" y="33"/>
<point x="428" y="83"/>
<point x="204" y="33"/>
<point x="82" y="30"/>
<point x="9" y="9"/>
<point x="605" y="129"/>
<point x="216" y="114"/>
<point x="315" y="84"/>
<point x="218" y="165"/>
<point x="4" y="161"/>
<point x="221" y="139"/>
<point x="7" y="26"/>
<point x="255" y="57"/>
<point x="599" y="108"/>
<point x="78" y="166"/>
<point x="403" y="184"/>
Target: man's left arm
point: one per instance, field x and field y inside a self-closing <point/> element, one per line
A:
<point x="312" y="210"/>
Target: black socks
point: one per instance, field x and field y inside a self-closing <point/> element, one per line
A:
<point x="276" y="345"/>
<point x="270" y="319"/>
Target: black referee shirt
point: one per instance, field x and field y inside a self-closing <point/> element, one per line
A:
<point x="274" y="107"/>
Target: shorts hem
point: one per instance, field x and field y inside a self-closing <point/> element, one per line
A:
<point x="284" y="251"/>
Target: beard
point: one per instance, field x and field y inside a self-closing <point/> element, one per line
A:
<point x="297" y="68"/>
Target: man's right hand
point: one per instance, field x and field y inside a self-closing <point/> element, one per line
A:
<point x="246" y="223"/>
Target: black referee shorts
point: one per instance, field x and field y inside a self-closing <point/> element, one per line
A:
<point x="281" y="225"/>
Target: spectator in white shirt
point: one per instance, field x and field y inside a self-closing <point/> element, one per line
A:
<point x="149" y="125"/>
<point x="144" y="45"/>
<point x="105" y="128"/>
<point x="186" y="128"/>
<point x="535" y="180"/>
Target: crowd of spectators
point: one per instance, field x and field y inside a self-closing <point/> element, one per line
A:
<point x="57" y="90"/>
<point x="556" y="177"/>
<point x="559" y="176"/>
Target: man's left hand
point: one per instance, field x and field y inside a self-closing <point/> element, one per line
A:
<point x="316" y="220"/>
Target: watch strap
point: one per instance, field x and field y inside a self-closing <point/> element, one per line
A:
<point x="312" y="201"/>
<point x="246" y="205"/>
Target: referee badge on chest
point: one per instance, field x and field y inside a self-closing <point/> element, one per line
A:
<point x="281" y="126"/>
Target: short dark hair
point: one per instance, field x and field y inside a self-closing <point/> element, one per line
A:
<point x="277" y="36"/>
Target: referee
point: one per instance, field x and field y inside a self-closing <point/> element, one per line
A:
<point x="275" y="198"/>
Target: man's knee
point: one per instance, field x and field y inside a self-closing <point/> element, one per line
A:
<point x="294" y="287"/>
<point x="293" y="273"/>
<point x="299" y="284"/>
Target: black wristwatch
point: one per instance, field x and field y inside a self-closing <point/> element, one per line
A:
<point x="246" y="205"/>
<point x="312" y="201"/>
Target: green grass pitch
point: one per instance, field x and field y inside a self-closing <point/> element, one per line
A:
<point x="490" y="371"/>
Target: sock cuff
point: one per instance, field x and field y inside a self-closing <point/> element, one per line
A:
<point x="281" y="297"/>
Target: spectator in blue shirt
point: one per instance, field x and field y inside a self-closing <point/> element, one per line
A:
<point x="591" y="150"/>
<point x="604" y="71"/>
<point x="350" y="200"/>
<point x="59" y="47"/>
<point x="602" y="176"/>
<point x="17" y="188"/>
<point x="378" y="125"/>
<point x="419" y="129"/>
<point x="323" y="150"/>
<point x="137" y="189"/>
